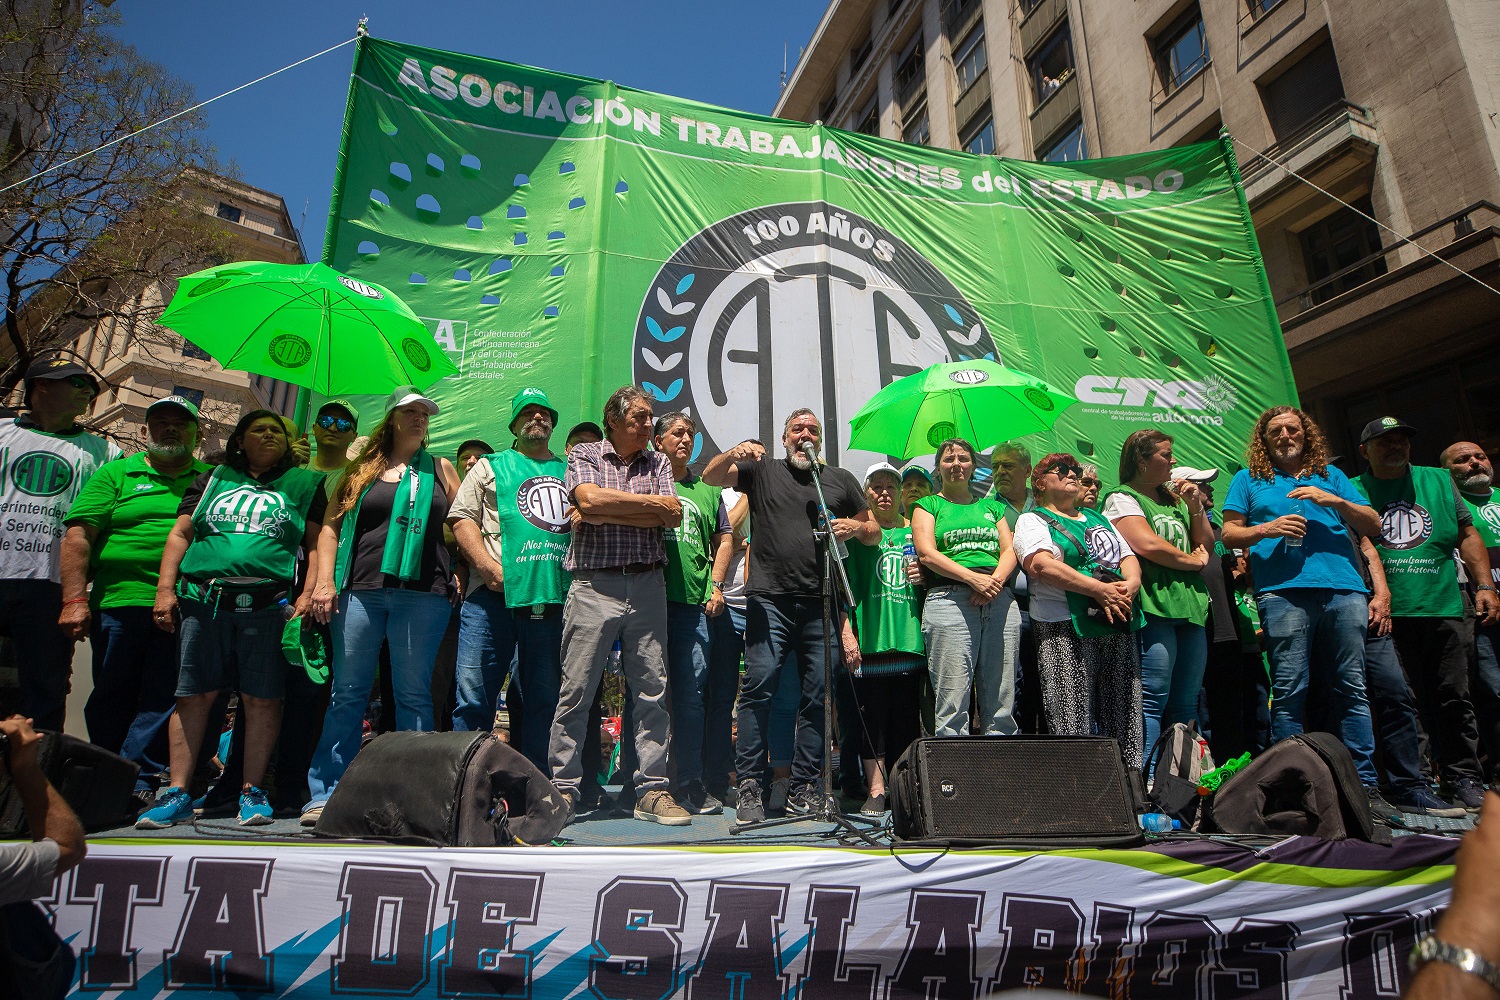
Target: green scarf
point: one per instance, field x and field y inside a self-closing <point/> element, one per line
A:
<point x="402" y="557"/>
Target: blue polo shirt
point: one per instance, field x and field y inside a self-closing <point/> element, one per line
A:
<point x="1326" y="557"/>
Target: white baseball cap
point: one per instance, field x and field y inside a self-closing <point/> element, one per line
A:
<point x="405" y="395"/>
<point x="882" y="467"/>
<point x="1193" y="475"/>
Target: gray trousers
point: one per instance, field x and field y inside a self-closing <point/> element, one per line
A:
<point x="972" y="647"/>
<point x="604" y="605"/>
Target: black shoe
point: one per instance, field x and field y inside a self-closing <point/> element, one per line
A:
<point x="804" y="801"/>
<point x="1381" y="810"/>
<point x="1469" y="793"/>
<point x="748" y="807"/>
<point x="1420" y="801"/>
<point x="700" y="801"/>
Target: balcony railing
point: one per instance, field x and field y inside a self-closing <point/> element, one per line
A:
<point x="1038" y="22"/>
<point x="972" y="100"/>
<point x="1337" y="125"/>
<point x="1056" y="111"/>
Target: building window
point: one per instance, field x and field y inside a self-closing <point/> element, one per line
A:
<point x="1341" y="240"/>
<point x="859" y="54"/>
<point x="980" y="137"/>
<point x="825" y="113"/>
<point x="1052" y="64"/>
<point x="918" y="131"/>
<point x="969" y="59"/>
<point x="911" y="71"/>
<point x="227" y="211"/>
<point x="192" y="350"/>
<point x="1027" y="6"/>
<point x="1181" y="50"/>
<point x="1260" y="7"/>
<point x="1072" y="146"/>
<point x="1305" y="94"/>
<point x="194" y="396"/>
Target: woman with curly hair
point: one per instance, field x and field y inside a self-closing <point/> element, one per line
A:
<point x="1292" y="511"/>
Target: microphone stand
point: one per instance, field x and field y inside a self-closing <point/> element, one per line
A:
<point x="833" y="575"/>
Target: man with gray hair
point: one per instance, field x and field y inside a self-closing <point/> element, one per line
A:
<point x="784" y="607"/>
<point x="622" y="496"/>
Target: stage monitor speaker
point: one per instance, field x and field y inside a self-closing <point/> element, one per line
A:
<point x="1013" y="791"/>
<point x="97" y="785"/>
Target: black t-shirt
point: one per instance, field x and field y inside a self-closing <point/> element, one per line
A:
<point x="369" y="543"/>
<point x="784" y="557"/>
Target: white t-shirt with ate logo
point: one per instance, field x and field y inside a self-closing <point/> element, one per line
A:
<point x="40" y="476"/>
<point x="1049" y="603"/>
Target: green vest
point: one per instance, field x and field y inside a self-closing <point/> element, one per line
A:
<point x="1165" y="592"/>
<point x="243" y="527"/>
<point x="534" y="527"/>
<point x="1486" y="511"/>
<point x="689" y="573"/>
<point x="1100" y="549"/>
<point x="885" y="613"/>
<point x="1418" y="533"/>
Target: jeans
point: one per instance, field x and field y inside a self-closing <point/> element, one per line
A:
<point x="1315" y="629"/>
<point x="687" y="686"/>
<point x="135" y="685"/>
<point x="1174" y="653"/>
<point x="486" y="656"/>
<point x="1486" y="690"/>
<point x="538" y="680"/>
<point x="726" y="645"/>
<point x="1435" y="654"/>
<point x="413" y="622"/>
<point x="44" y="656"/>
<point x="776" y="624"/>
<point x="972" y="647"/>
<point x="1395" y="714"/>
<point x="781" y="724"/>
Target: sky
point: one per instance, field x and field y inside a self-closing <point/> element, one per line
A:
<point x="282" y="135"/>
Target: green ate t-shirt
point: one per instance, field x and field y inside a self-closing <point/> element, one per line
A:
<point x="131" y="507"/>
<point x="534" y="527"/>
<point x="885" y="613"/>
<point x="1418" y="533"/>
<point x="1486" y="510"/>
<point x="966" y="532"/>
<point x="690" y="557"/>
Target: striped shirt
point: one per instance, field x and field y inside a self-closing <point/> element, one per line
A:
<point x="612" y="546"/>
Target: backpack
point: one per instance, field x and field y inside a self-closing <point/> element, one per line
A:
<point x="1306" y="784"/>
<point x="1179" y="758"/>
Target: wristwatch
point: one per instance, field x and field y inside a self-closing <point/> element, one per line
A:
<point x="1431" y="948"/>
<point x="718" y="584"/>
<point x="1486" y="586"/>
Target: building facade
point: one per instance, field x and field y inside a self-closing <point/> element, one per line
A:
<point x="1392" y="106"/>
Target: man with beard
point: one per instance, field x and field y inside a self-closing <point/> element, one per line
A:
<point x="116" y="531"/>
<point x="510" y="518"/>
<point x="1475" y="477"/>
<point x="1289" y="509"/>
<point x="784" y="610"/>
<point x="47" y="457"/>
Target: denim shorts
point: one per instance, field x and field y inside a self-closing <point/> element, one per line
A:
<point x="238" y="650"/>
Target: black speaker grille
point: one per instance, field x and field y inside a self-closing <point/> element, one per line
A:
<point x="1023" y="788"/>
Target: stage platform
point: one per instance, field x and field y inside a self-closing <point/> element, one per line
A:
<point x="618" y="909"/>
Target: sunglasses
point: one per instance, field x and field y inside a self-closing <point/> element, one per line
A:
<point x="1062" y="470"/>
<point x="331" y="423"/>
<point x="1088" y="482"/>
<point x="79" y="382"/>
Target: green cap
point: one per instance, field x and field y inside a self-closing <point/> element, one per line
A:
<point x="530" y="397"/>
<point x="181" y="402"/>
<point x="303" y="646"/>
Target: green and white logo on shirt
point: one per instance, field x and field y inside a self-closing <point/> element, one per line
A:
<point x="1404" y="525"/>
<point x="41" y="474"/>
<point x="245" y="510"/>
<point x="1170" y="528"/>
<point x="543" y="502"/>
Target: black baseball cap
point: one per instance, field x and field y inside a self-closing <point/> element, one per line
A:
<point x="1384" y="425"/>
<point x="56" y="367"/>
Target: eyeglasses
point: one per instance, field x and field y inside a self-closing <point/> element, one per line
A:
<point x="331" y="423"/>
<point x="1090" y="482"/>
<point x="79" y="382"/>
<point x="1062" y="470"/>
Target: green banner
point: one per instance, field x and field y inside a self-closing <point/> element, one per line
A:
<point x="577" y="235"/>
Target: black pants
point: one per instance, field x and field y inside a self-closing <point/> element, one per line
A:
<point x="1236" y="690"/>
<point x="1434" y="653"/>
<point x="888" y="705"/>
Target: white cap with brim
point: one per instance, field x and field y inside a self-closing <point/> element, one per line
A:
<point x="881" y="467"/>
<point x="1193" y="475"/>
<point x="406" y="395"/>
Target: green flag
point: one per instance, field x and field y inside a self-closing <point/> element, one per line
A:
<point x="575" y="235"/>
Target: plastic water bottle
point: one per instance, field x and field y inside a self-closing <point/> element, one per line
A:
<point x="288" y="612"/>
<point x="614" y="659"/>
<point x="1159" y="823"/>
<point x="1294" y="541"/>
<point x="908" y="556"/>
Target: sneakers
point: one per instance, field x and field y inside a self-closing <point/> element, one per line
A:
<point x="311" y="816"/>
<point x="1420" y="801"/>
<point x="748" y="808"/>
<point x="780" y="790"/>
<point x="699" y="800"/>
<point x="255" y="808"/>
<point x="874" y="806"/>
<point x="659" y="807"/>
<point x="804" y="801"/>
<point x="173" y="806"/>
<point x="1381" y="810"/>
<point x="1469" y="792"/>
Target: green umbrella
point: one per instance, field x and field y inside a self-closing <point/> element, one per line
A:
<point x="306" y="324"/>
<point x="979" y="401"/>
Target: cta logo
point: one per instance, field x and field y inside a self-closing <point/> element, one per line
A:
<point x="799" y="304"/>
<point x="1176" y="401"/>
<point x="41" y="474"/>
<point x="245" y="510"/>
<point x="1404" y="525"/>
<point x="544" y="504"/>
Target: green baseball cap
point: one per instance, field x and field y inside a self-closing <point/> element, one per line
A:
<point x="530" y="397"/>
<point x="181" y="402"/>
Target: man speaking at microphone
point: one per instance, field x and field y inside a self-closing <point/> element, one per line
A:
<point x="784" y="602"/>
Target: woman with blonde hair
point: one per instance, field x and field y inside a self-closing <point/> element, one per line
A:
<point x="383" y="577"/>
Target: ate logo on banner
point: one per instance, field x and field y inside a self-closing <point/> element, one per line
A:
<point x="801" y="304"/>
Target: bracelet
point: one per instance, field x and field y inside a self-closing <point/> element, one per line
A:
<point x="1432" y="948"/>
<point x="1486" y="586"/>
<point x="85" y="600"/>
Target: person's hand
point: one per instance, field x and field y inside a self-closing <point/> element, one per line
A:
<point x="493" y="575"/>
<point x="303" y="604"/>
<point x="984" y="589"/>
<point x="1199" y="555"/>
<point x="715" y="606"/>
<point x="20" y="755"/>
<point x="1116" y="599"/>
<point x="75" y="620"/>
<point x="913" y="572"/>
<point x="1287" y="525"/>
<point x="459" y="580"/>
<point x="845" y="528"/>
<point x="1189" y="493"/>
<point x="1487" y="607"/>
<point x="301" y="450"/>
<point x="852" y="658"/>
<point x="165" y="613"/>
<point x="1473" y="917"/>
<point x="325" y="600"/>
<point x="1380" y="615"/>
<point x="1321" y="497"/>
<point x="748" y="451"/>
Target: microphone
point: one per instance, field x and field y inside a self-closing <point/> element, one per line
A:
<point x="810" y="451"/>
